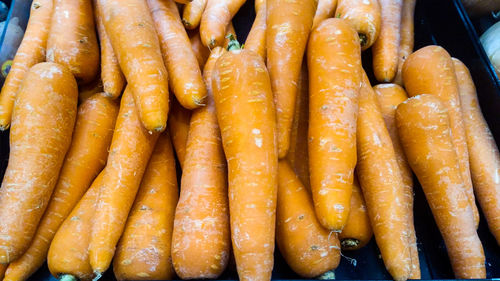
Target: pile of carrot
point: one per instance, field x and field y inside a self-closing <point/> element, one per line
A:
<point x="281" y="141"/>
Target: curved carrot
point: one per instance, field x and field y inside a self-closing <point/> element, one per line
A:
<point x="178" y="128"/>
<point x="288" y="27"/>
<point x="407" y="37"/>
<point x="30" y="52"/>
<point x="386" y="48"/>
<point x="200" y="242"/>
<point x="252" y="157"/>
<point x="201" y="52"/>
<point x="89" y="90"/>
<point x="132" y="33"/>
<point x="256" y="39"/>
<point x="129" y="153"/>
<point x="334" y="61"/>
<point x="191" y="16"/>
<point x="85" y="159"/>
<point x="326" y="9"/>
<point x="430" y="71"/>
<point x="484" y="157"/>
<point x="424" y="130"/>
<point x="215" y="19"/>
<point x="183" y="71"/>
<point x="364" y="16"/>
<point x="42" y="123"/>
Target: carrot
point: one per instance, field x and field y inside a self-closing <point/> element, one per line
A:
<point x="129" y="153"/>
<point x="256" y="39"/>
<point x="307" y="247"/>
<point x="252" y="157"/>
<point x="357" y="231"/>
<point x="183" y="71"/>
<point x="424" y="129"/>
<point x="178" y="128"/>
<point x="88" y="90"/>
<point x="30" y="52"/>
<point x="111" y="74"/>
<point x="288" y="27"/>
<point x="326" y="9"/>
<point x="183" y="1"/>
<point x="483" y="151"/>
<point x="200" y="243"/>
<point x="3" y="267"/>
<point x="191" y="16"/>
<point x="229" y="32"/>
<point x="215" y="19"/>
<point x="386" y="48"/>
<point x="407" y="37"/>
<point x="201" y="52"/>
<point x="334" y="61"/>
<point x="133" y="37"/>
<point x="68" y="257"/>
<point x="430" y="71"/>
<point x="42" y="124"/>
<point x="365" y="18"/>
<point x="85" y="159"/>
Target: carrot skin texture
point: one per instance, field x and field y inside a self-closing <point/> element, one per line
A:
<point x="191" y="15"/>
<point x="484" y="157"/>
<point x="120" y="181"/>
<point x="386" y="48"/>
<point x="424" y="128"/>
<point x="256" y="39"/>
<point x="365" y="18"/>
<point x="178" y="128"/>
<point x="307" y="247"/>
<point x="429" y="70"/>
<point x="216" y="17"/>
<point x="201" y="241"/>
<point x="333" y="52"/>
<point x="142" y="64"/>
<point x="85" y="158"/>
<point x="250" y="146"/>
<point x="407" y="37"/>
<point x="183" y="71"/>
<point x="326" y="9"/>
<point x="46" y="108"/>
<point x="200" y="51"/>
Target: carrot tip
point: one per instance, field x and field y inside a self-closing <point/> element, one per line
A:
<point x="186" y="23"/>
<point x="349" y="243"/>
<point x="329" y="275"/>
<point x="212" y="43"/>
<point x="67" y="277"/>
<point x="3" y="126"/>
<point x="363" y="39"/>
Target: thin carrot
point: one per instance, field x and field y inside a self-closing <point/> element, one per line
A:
<point x="230" y="33"/>
<point x="288" y="27"/>
<point x="424" y="129"/>
<point x="200" y="51"/>
<point x="178" y="128"/>
<point x="256" y="39"/>
<point x="85" y="159"/>
<point x="42" y="123"/>
<point x="191" y="16"/>
<point x="364" y="16"/>
<point x="386" y="48"/>
<point x="30" y="52"/>
<point x="215" y="19"/>
<point x="484" y="157"/>
<point x="334" y="61"/>
<point x="326" y="9"/>
<point x="183" y="70"/>
<point x="129" y="153"/>
<point x="88" y="90"/>
<point x="132" y="33"/>
<point x="407" y="37"/>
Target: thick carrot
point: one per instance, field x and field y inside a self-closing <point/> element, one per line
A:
<point x="365" y="18"/>
<point x="308" y="248"/>
<point x="326" y="9"/>
<point x="182" y="66"/>
<point x="424" y="129"/>
<point x="215" y="19"/>
<point x="407" y="37"/>
<point x="85" y="159"/>
<point x="201" y="242"/>
<point x="288" y="27"/>
<point x="357" y="231"/>
<point x="483" y="152"/>
<point x="386" y="47"/>
<point x="132" y="33"/>
<point x="88" y="90"/>
<point x="129" y="153"/>
<point x="230" y="33"/>
<point x="201" y="52"/>
<point x="430" y="71"/>
<point x="178" y="128"/>
<point x="30" y="52"/>
<point x="252" y="157"/>
<point x="334" y="61"/>
<point x="111" y="74"/>
<point x="42" y="123"/>
<point x="191" y="16"/>
<point x="147" y="237"/>
<point x="256" y="39"/>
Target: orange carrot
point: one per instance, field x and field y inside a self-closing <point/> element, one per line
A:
<point x="191" y="16"/>
<point x="252" y="157"/>
<point x="288" y="27"/>
<point x="407" y="37"/>
<point x="129" y="153"/>
<point x="30" y="52"/>
<point x="424" y="130"/>
<point x="88" y="90"/>
<point x="183" y="1"/>
<point x="178" y="128"/>
<point x="215" y="19"/>
<point x="365" y="18"/>
<point x="133" y="37"/>
<point x="334" y="61"/>
<point x="326" y="9"/>
<point x="256" y="39"/>
<point x="386" y="47"/>
<point x="200" y="243"/>
<point x="483" y="151"/>
<point x="183" y="71"/>
<point x="42" y="124"/>
<point x="85" y="159"/>
<point x="200" y="51"/>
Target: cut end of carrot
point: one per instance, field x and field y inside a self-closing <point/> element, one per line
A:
<point x="329" y="275"/>
<point x="349" y="243"/>
<point x="67" y="277"/>
<point x="363" y="39"/>
<point x="186" y="24"/>
<point x="233" y="43"/>
<point x="4" y="125"/>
